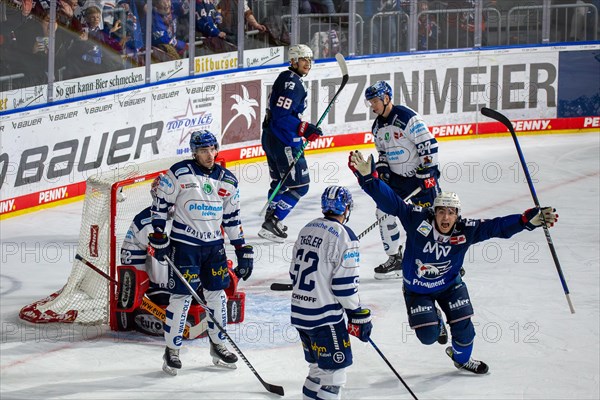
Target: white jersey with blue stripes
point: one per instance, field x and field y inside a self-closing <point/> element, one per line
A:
<point x="404" y="141"/>
<point x="324" y="273"/>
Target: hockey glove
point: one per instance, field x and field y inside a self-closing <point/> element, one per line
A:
<point x="359" y="323"/>
<point x="426" y="177"/>
<point x="364" y="170"/>
<point x="532" y="218"/>
<point x="245" y="261"/>
<point x="158" y="245"/>
<point x="383" y="170"/>
<point x="309" y="131"/>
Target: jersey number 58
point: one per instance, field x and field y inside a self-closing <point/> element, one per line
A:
<point x="284" y="102"/>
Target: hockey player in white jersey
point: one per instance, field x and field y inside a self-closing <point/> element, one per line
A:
<point x="206" y="200"/>
<point x="407" y="159"/>
<point x="324" y="273"/>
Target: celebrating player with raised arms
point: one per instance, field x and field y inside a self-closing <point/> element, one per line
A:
<point x="408" y="159"/>
<point x="324" y="273"/>
<point x="282" y="140"/>
<point x="206" y="200"/>
<point x="438" y="239"/>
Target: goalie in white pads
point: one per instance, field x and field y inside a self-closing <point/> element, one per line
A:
<point x="206" y="200"/>
<point x="439" y="239"/>
<point x="407" y="159"/>
<point x="324" y="273"/>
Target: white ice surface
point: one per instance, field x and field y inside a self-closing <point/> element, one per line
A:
<point x="535" y="348"/>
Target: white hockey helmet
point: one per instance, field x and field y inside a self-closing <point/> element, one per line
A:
<point x="299" y="51"/>
<point x="447" y="199"/>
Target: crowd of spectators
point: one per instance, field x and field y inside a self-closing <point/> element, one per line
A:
<point x="96" y="36"/>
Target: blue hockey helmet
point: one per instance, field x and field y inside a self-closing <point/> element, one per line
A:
<point x="335" y="200"/>
<point x="378" y="89"/>
<point x="203" y="138"/>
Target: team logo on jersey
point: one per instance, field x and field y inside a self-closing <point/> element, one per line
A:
<point x="433" y="270"/>
<point x="289" y="85"/>
<point x="386" y="137"/>
<point x="207" y="188"/>
<point x="424" y="228"/>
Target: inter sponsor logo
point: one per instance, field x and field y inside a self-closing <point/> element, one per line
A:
<point x="420" y="310"/>
<point x="459" y="304"/>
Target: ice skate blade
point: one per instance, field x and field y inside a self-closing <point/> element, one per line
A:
<point x="220" y="363"/>
<point x="388" y="275"/>
<point x="169" y="370"/>
<point x="265" y="234"/>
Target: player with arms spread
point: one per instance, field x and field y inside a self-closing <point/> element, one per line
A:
<point x="324" y="273"/>
<point x="206" y="200"/>
<point x="438" y="239"/>
<point x="282" y="140"/>
<point x="408" y="159"/>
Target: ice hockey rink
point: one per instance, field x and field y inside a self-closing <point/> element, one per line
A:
<point x="535" y="347"/>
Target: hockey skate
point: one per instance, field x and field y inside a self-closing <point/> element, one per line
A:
<point x="171" y="361"/>
<point x="222" y="356"/>
<point x="392" y="268"/>
<point x="474" y="366"/>
<point x="273" y="229"/>
<point x="443" y="337"/>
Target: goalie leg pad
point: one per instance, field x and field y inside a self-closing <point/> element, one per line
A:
<point x="133" y="283"/>
<point x="389" y="231"/>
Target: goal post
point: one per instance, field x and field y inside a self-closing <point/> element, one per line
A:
<point x="112" y="199"/>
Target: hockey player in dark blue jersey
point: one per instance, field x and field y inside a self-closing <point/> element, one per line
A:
<point x="438" y="239"/>
<point x="408" y="159"/>
<point x="282" y="140"/>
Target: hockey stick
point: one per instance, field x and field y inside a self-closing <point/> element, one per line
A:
<point x="270" y="387"/>
<point x="152" y="307"/>
<point x="488" y="112"/>
<point x="342" y="63"/>
<point x="392" y="368"/>
<point x="281" y="287"/>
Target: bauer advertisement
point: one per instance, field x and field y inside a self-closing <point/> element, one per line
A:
<point x="48" y="153"/>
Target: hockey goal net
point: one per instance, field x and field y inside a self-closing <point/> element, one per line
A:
<point x="112" y="199"/>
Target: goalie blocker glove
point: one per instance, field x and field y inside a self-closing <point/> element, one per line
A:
<point x="245" y="261"/>
<point x="532" y="218"/>
<point x="158" y="245"/>
<point x="309" y="131"/>
<point x="359" y="323"/>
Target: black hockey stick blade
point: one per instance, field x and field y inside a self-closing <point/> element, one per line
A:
<point x="493" y="114"/>
<point x="281" y="287"/>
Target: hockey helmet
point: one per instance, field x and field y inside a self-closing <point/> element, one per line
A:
<point x="299" y="51"/>
<point x="203" y="138"/>
<point x="378" y="89"/>
<point x="336" y="199"/>
<point x="447" y="199"/>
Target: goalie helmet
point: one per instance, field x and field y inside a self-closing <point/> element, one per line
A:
<point x="378" y="90"/>
<point x="299" y="51"/>
<point x="203" y="138"/>
<point x="335" y="200"/>
<point x="447" y="199"/>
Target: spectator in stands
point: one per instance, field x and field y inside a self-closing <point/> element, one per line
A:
<point x="164" y="40"/>
<point x="134" y="38"/>
<point x="229" y="10"/>
<point x="323" y="6"/>
<point x="427" y="28"/>
<point x="208" y="19"/>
